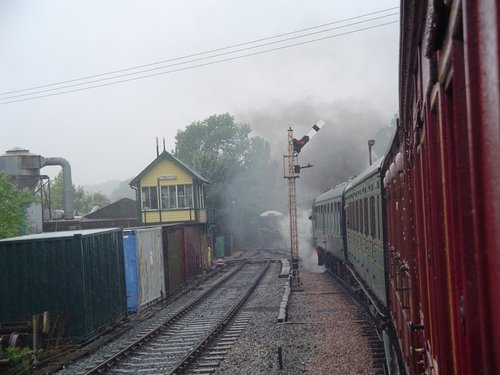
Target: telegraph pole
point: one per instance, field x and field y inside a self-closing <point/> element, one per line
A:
<point x="292" y="173"/>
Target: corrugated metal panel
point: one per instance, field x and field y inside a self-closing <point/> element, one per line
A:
<point x="175" y="250"/>
<point x="57" y="235"/>
<point x="192" y="264"/>
<point x="149" y="248"/>
<point x="131" y="273"/>
<point x="76" y="275"/>
<point x="204" y="248"/>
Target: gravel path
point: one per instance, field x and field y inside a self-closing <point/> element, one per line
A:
<point x="323" y="334"/>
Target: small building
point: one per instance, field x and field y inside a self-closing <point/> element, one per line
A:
<point x="122" y="209"/>
<point x="168" y="191"/>
<point x="121" y="213"/>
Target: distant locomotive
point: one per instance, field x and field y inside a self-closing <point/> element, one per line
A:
<point x="270" y="229"/>
<point x="417" y="234"/>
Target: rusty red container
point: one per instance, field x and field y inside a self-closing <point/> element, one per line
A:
<point x="173" y="255"/>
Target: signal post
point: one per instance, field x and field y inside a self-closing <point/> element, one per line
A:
<point x="292" y="173"/>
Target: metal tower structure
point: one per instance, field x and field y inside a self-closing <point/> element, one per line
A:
<point x="292" y="173"/>
<point x="292" y="197"/>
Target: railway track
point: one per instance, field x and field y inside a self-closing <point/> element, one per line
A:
<point x="271" y="253"/>
<point x="172" y="344"/>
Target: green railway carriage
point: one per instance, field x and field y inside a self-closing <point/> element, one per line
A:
<point x="364" y="229"/>
<point x="329" y="226"/>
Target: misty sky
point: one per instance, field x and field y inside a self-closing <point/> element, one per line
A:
<point x="109" y="132"/>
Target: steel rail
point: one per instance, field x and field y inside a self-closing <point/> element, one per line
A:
<point x="108" y="363"/>
<point x="195" y="352"/>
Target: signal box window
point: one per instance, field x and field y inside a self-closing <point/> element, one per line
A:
<point x="185" y="196"/>
<point x="168" y="197"/>
<point x="176" y="196"/>
<point x="149" y="198"/>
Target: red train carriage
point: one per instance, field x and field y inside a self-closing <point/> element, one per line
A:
<point x="443" y="189"/>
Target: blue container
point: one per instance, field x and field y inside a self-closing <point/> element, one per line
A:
<point x="131" y="274"/>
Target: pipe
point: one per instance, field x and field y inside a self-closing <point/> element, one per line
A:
<point x="69" y="197"/>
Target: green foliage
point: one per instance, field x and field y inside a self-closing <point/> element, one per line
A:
<point x="84" y="201"/>
<point x="216" y="146"/>
<point x="20" y="359"/>
<point x="57" y="192"/>
<point x="13" y="205"/>
<point x="242" y="177"/>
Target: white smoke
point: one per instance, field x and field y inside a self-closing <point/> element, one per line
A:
<point x="307" y="253"/>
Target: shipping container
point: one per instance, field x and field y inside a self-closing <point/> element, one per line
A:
<point x="77" y="276"/>
<point x="196" y="237"/>
<point x="173" y="237"/>
<point x="144" y="267"/>
<point x="149" y="248"/>
<point x="131" y="271"/>
<point x="192" y="262"/>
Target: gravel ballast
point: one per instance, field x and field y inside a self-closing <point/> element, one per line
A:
<point x="323" y="334"/>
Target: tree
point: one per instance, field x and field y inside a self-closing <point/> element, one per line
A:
<point x="216" y="146"/>
<point x="242" y="177"/>
<point x="57" y="192"/>
<point x="13" y="205"/>
<point x="84" y="201"/>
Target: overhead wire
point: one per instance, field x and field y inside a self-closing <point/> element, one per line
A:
<point x="191" y="61"/>
<point x="200" y="53"/>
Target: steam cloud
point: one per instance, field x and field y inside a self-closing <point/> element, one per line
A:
<point x="337" y="152"/>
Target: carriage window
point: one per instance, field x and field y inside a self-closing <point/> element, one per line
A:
<point x="372" y="218"/>
<point x="335" y="219"/>
<point x="350" y="220"/>
<point x="360" y="215"/>
<point x="378" y="217"/>
<point x="365" y="215"/>
<point x="332" y="218"/>
<point x="355" y="215"/>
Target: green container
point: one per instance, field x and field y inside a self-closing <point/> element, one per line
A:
<point x="77" y="276"/>
<point x="219" y="247"/>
